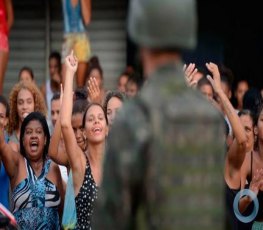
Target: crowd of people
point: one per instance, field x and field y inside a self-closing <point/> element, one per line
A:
<point x="75" y="155"/>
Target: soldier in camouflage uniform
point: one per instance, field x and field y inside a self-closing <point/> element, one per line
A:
<point x="164" y="164"/>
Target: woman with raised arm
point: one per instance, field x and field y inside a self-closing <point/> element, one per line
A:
<point x="243" y="142"/>
<point x="86" y="166"/>
<point x="57" y="151"/>
<point x="36" y="183"/>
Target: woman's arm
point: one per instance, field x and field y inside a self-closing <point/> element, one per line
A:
<point x="86" y="11"/>
<point x="9" y="13"/>
<point x="9" y="157"/>
<point x="75" y="155"/>
<point x="237" y="151"/>
<point x="15" y="146"/>
<point x="56" y="151"/>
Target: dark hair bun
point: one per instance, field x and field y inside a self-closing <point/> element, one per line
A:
<point x="94" y="61"/>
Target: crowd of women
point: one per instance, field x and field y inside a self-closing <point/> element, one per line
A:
<point x="244" y="141"/>
<point x="50" y="181"/>
<point x="32" y="159"/>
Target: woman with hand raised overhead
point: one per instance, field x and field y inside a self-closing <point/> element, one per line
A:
<point x="86" y="166"/>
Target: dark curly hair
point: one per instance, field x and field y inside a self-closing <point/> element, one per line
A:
<point x="39" y="103"/>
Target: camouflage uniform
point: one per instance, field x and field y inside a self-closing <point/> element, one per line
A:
<point x="164" y="164"/>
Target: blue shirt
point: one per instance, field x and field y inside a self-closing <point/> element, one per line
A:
<point x="4" y="185"/>
<point x="73" y="22"/>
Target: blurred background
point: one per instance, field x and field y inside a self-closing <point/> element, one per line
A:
<point x="229" y="33"/>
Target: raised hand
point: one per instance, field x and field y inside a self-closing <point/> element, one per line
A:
<point x="94" y="90"/>
<point x="216" y="80"/>
<point x="257" y="182"/>
<point x="189" y="72"/>
<point x="71" y="62"/>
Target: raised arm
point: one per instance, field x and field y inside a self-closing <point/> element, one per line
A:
<point x="9" y="157"/>
<point x="86" y="11"/>
<point x="56" y="151"/>
<point x="189" y="72"/>
<point x="237" y="151"/>
<point x="74" y="153"/>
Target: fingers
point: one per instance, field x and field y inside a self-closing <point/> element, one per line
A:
<point x="94" y="90"/>
<point x="258" y="175"/>
<point x="213" y="68"/>
<point x="210" y="79"/>
<point x="91" y="89"/>
<point x="184" y="67"/>
<point x="257" y="180"/>
<point x="73" y="55"/>
<point x="93" y="86"/>
<point x="190" y="70"/>
<point x="71" y="59"/>
<point x="191" y="76"/>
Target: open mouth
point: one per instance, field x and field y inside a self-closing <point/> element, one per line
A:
<point x="34" y="146"/>
<point x="97" y="130"/>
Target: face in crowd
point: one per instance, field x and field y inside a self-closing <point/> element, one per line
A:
<point x="95" y="124"/>
<point x="242" y="88"/>
<point x="55" y="109"/>
<point x="113" y="106"/>
<point x="122" y="83"/>
<point x="76" y="122"/>
<point x="35" y="137"/>
<point x="25" y="103"/>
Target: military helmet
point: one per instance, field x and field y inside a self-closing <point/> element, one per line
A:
<point x="163" y="23"/>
